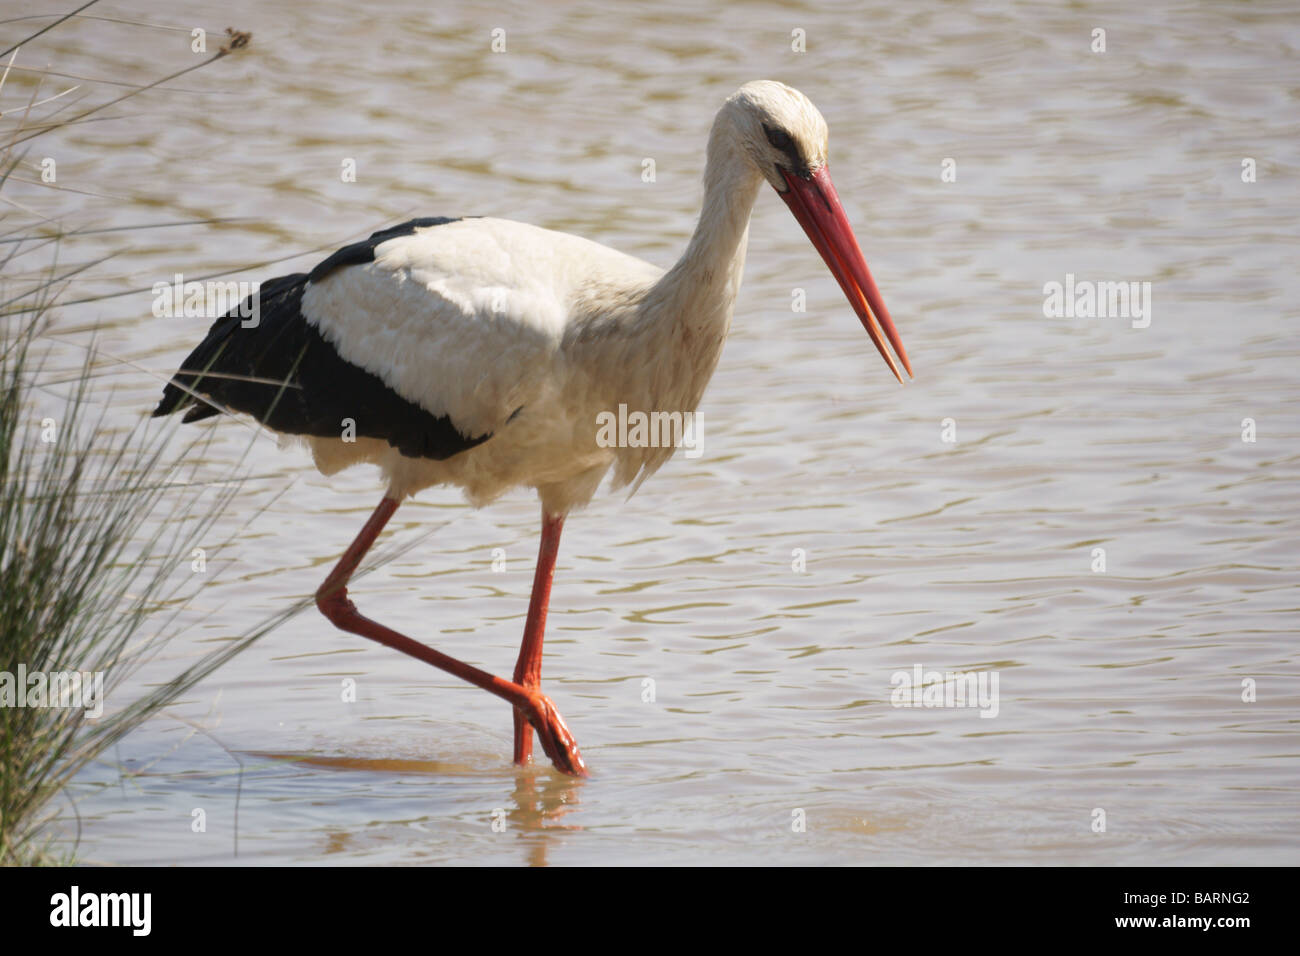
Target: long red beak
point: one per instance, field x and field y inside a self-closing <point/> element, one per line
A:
<point x="816" y="205"/>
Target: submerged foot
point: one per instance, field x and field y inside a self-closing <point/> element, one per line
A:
<point x="556" y="740"/>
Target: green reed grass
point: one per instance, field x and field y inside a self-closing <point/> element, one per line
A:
<point x="97" y="525"/>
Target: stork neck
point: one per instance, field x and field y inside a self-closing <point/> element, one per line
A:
<point x="682" y="320"/>
<point x="709" y="271"/>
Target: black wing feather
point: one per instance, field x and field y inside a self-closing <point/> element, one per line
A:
<point x="285" y="374"/>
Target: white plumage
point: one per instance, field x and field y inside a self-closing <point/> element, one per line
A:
<point x="481" y="320"/>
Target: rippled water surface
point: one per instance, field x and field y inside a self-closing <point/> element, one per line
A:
<point x="1120" y="690"/>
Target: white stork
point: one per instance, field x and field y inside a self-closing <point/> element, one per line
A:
<point x="481" y="353"/>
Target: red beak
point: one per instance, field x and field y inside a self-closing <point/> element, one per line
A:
<point x="816" y="205"/>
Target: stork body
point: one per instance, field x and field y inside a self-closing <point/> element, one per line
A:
<point x="482" y="352"/>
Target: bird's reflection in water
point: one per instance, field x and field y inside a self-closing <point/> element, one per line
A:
<point x="373" y="764"/>
<point x="543" y="798"/>
<point x="544" y="801"/>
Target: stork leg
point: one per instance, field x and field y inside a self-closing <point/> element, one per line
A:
<point x="536" y="707"/>
<point x="528" y="669"/>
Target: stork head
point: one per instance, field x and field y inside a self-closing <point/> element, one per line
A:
<point x="780" y="131"/>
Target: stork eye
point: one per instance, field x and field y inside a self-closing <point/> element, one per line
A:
<point x="779" y="139"/>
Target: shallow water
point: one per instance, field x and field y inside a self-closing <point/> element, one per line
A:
<point x="1119" y="690"/>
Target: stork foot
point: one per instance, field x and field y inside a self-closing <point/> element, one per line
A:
<point x="557" y="741"/>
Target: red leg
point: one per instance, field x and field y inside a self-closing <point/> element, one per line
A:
<point x="332" y="599"/>
<point x="528" y="669"/>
